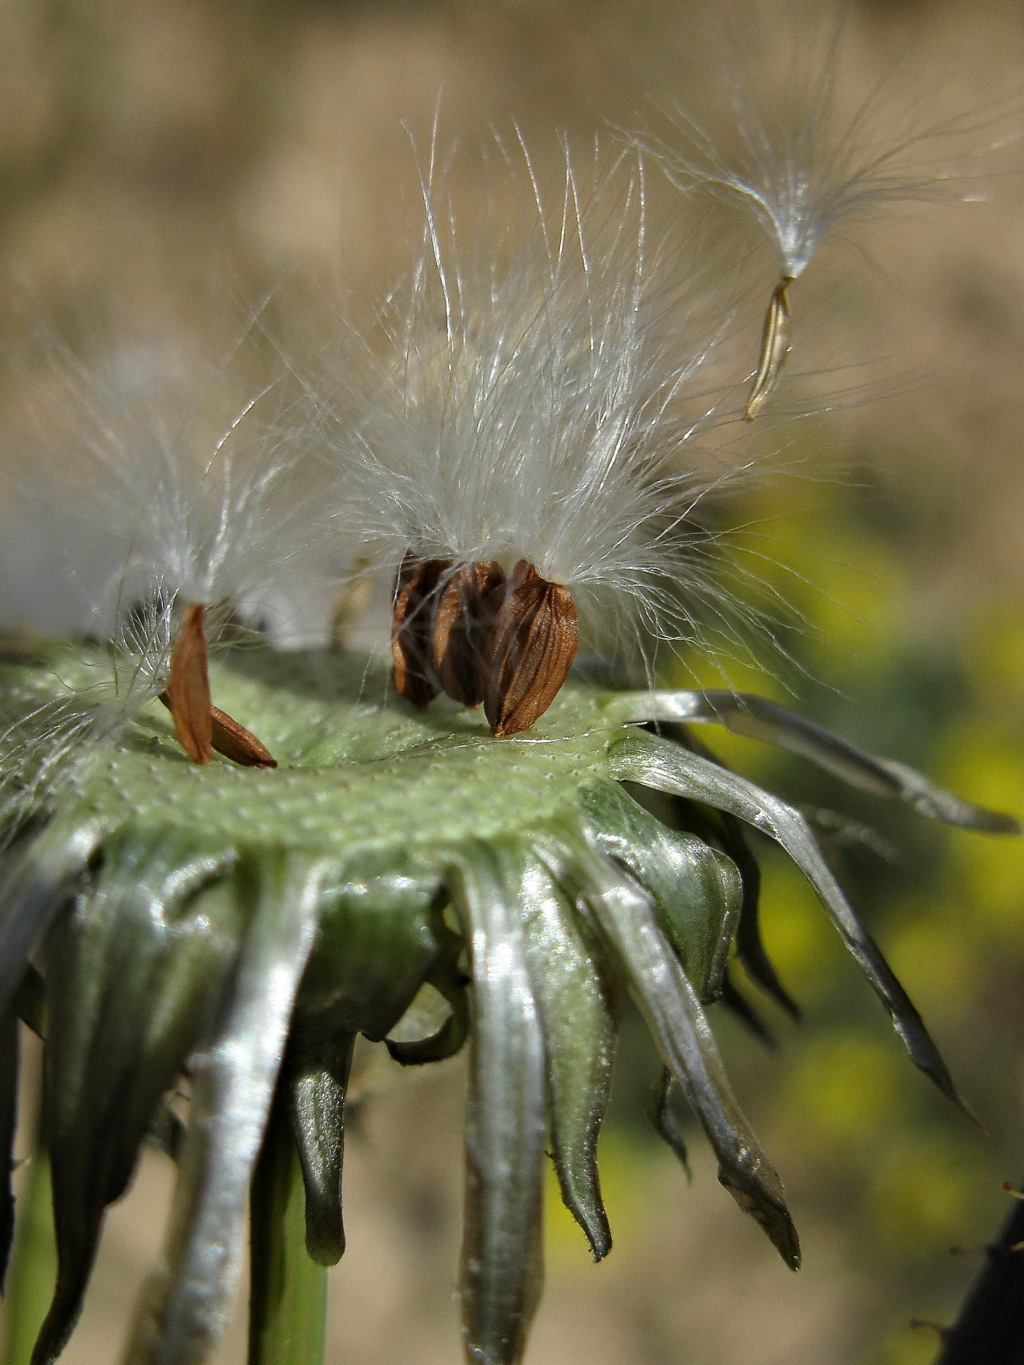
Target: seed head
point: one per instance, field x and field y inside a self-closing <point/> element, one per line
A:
<point x="243" y="927"/>
<point x="548" y="423"/>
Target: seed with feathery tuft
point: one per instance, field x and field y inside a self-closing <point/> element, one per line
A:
<point x="464" y="619"/>
<point x="536" y="635"/>
<point x="412" y="629"/>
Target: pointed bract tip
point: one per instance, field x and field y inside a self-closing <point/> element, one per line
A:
<point x="772" y="1215"/>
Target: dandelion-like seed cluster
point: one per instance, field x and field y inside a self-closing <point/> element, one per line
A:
<point x="224" y="859"/>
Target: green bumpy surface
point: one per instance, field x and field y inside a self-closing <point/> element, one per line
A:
<point x="358" y="766"/>
<point x="322" y="889"/>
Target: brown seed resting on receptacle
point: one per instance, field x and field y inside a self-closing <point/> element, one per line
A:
<point x="234" y="741"/>
<point x="200" y="726"/>
<point x="477" y="636"/>
<point x="536" y="635"/>
<point x="230" y="738"/>
<point x="412" y="628"/>
<point x="463" y="628"/>
<point x="188" y="687"/>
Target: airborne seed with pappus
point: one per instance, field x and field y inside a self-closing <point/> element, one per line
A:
<point x="774" y="349"/>
<point x="801" y="150"/>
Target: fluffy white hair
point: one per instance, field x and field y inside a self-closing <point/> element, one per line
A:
<point x="183" y="504"/>
<point x="543" y="401"/>
<point x="794" y="149"/>
<point x="173" y="507"/>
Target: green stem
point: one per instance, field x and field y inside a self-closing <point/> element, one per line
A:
<point x="33" y="1271"/>
<point x="288" y="1295"/>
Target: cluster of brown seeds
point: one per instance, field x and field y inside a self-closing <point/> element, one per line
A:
<point x="481" y="636"/>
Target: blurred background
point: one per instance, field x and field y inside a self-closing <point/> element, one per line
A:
<point x="167" y="166"/>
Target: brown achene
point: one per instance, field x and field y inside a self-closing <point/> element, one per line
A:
<point x="201" y="727"/>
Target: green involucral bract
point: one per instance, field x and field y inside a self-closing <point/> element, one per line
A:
<point x="240" y="927"/>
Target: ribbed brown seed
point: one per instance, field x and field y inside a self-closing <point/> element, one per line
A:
<point x="234" y="741"/>
<point x="536" y="635"/>
<point x="412" y="628"/>
<point x="189" y="687"/>
<point x="229" y="738"/>
<point x="463" y="625"/>
<point x="200" y="726"/>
